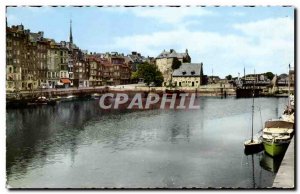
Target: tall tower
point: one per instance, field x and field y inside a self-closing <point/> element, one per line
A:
<point x="71" y="37"/>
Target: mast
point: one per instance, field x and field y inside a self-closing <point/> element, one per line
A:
<point x="289" y="100"/>
<point x="253" y="107"/>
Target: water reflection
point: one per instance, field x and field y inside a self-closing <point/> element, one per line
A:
<point x="269" y="163"/>
<point x="76" y="144"/>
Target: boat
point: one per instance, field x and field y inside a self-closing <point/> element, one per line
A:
<point x="41" y="100"/>
<point x="277" y="135"/>
<point x="96" y="96"/>
<point x="253" y="145"/>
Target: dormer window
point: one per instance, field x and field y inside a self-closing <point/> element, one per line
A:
<point x="193" y="72"/>
<point x="184" y="72"/>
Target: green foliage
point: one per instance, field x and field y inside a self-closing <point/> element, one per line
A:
<point x="269" y="75"/>
<point x="149" y="73"/>
<point x="134" y="75"/>
<point x="229" y="77"/>
<point x="176" y="63"/>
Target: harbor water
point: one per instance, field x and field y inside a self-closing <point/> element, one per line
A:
<point x="77" y="145"/>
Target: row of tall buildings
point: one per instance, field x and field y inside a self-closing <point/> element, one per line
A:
<point x="34" y="61"/>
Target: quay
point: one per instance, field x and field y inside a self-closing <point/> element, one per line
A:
<point x="285" y="177"/>
<point x="216" y="90"/>
<point x="57" y="92"/>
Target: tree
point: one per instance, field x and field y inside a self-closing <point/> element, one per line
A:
<point x="175" y="63"/>
<point x="149" y="73"/>
<point x="229" y="77"/>
<point x="269" y="75"/>
<point x="134" y="75"/>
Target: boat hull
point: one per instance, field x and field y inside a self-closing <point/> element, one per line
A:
<point x="252" y="147"/>
<point x="275" y="149"/>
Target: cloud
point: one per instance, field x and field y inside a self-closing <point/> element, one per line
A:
<point x="171" y="15"/>
<point x="265" y="45"/>
<point x="278" y="28"/>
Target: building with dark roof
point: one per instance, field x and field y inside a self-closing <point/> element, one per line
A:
<point x="165" y="60"/>
<point x="134" y="59"/>
<point x="188" y="75"/>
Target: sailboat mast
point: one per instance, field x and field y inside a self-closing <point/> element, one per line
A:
<point x="289" y="102"/>
<point x="253" y="91"/>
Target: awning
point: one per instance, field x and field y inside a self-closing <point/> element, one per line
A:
<point x="65" y="81"/>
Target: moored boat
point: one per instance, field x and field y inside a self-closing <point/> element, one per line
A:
<point x="277" y="135"/>
<point x="253" y="146"/>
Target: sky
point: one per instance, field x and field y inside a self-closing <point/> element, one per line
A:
<point x="225" y="39"/>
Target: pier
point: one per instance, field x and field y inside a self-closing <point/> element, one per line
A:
<point x="285" y="177"/>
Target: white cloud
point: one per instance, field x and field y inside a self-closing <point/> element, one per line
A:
<point x="278" y="28"/>
<point x="266" y="45"/>
<point x="171" y="15"/>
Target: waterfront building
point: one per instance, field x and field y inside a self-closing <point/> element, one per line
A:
<point x="81" y="69"/>
<point x="57" y="63"/>
<point x="95" y="76"/>
<point x="40" y="45"/>
<point x="165" y="60"/>
<point x="121" y="69"/>
<point x="16" y="54"/>
<point x="26" y="59"/>
<point x="188" y="75"/>
<point x="108" y="70"/>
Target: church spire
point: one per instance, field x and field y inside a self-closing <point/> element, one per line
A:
<point x="71" y="37"/>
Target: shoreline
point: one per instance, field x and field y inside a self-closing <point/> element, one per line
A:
<point x="70" y="94"/>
